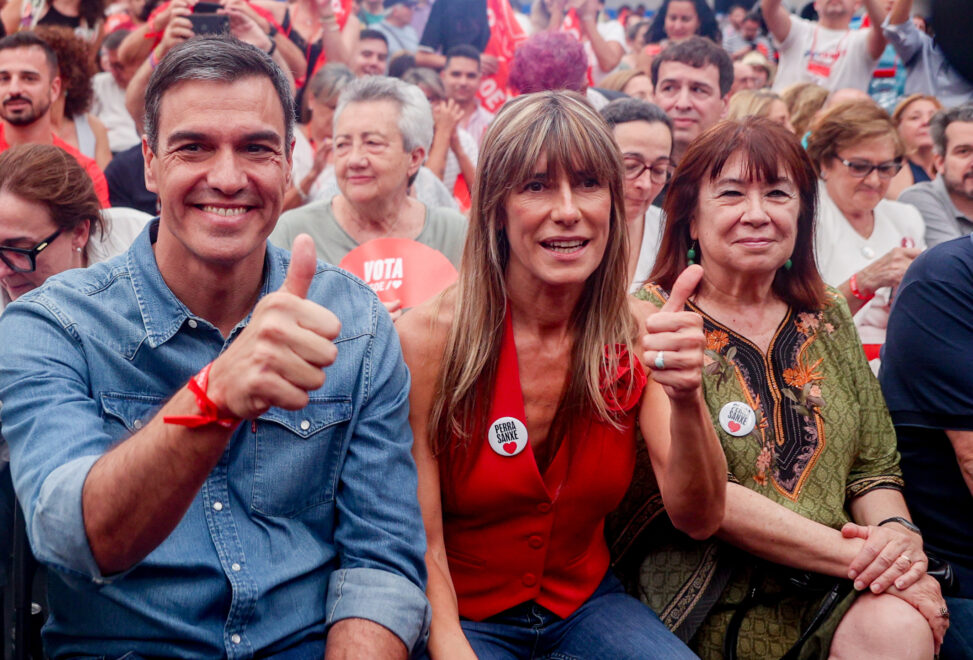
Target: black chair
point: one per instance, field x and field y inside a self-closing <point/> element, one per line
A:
<point x="25" y="640"/>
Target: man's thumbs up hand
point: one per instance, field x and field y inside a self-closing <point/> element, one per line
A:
<point x="280" y="356"/>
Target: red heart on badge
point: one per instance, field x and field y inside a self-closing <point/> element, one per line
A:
<point x="510" y="447"/>
<point x="734" y="426"/>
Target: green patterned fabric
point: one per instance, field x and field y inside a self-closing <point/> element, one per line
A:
<point x="823" y="437"/>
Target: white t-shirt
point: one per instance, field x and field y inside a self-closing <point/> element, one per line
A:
<point x="841" y="252"/>
<point x="651" y="237"/>
<point x="108" y="105"/>
<point x="834" y="59"/>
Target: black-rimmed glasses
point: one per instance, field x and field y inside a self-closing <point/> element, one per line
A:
<point x="659" y="172"/>
<point x="24" y="260"/>
<point x="862" y="168"/>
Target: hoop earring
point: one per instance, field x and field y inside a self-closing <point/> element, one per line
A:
<point x="691" y="254"/>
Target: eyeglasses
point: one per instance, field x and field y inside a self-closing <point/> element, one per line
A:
<point x="862" y="168"/>
<point x="659" y="172"/>
<point x="24" y="260"/>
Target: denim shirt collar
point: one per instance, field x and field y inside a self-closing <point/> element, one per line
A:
<point x="163" y="314"/>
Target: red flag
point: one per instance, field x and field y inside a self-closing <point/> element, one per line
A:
<point x="461" y="193"/>
<point x="505" y="35"/>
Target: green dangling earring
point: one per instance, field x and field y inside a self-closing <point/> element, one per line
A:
<point x="788" y="264"/>
<point x="691" y="254"/>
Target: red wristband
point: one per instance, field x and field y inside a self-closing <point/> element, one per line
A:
<point x="210" y="413"/>
<point x="855" y="291"/>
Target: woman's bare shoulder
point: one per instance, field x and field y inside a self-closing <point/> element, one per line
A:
<point x="423" y="331"/>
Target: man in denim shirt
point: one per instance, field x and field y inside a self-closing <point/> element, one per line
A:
<point x="272" y="502"/>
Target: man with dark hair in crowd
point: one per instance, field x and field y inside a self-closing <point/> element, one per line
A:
<point x="29" y="83"/>
<point x="692" y="81"/>
<point x="371" y="55"/>
<point x="461" y="78"/>
<point x="268" y="506"/>
<point x="946" y="202"/>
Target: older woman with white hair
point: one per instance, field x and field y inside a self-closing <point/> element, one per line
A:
<point x="382" y="129"/>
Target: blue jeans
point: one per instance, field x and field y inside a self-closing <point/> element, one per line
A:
<point x="958" y="644"/>
<point x="610" y="624"/>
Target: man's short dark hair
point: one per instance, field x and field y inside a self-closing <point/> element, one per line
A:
<point x="463" y="50"/>
<point x="622" y="111"/>
<point x="27" y="39"/>
<point x="697" y="52"/>
<point x="370" y="34"/>
<point x="214" y="59"/>
<point x="114" y="40"/>
<point x="942" y="119"/>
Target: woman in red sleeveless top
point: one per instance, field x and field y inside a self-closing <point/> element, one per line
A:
<point x="527" y="388"/>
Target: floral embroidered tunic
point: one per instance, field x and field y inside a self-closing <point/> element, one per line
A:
<point x="822" y="437"/>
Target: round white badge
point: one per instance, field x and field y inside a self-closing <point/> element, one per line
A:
<point x="737" y="418"/>
<point x="508" y="436"/>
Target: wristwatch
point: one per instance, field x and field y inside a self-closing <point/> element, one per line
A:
<point x="908" y="524"/>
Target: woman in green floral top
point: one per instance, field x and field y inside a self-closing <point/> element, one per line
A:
<point x="814" y="474"/>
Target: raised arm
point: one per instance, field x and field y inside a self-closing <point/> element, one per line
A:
<point x="608" y="53"/>
<point x="876" y="37"/>
<point x="777" y="18"/>
<point x="686" y="455"/>
<point x="900" y="12"/>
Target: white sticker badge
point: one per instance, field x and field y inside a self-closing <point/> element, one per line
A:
<point x="508" y="436"/>
<point x="737" y="418"/>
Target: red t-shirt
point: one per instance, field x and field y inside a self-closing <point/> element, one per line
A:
<point x="89" y="165"/>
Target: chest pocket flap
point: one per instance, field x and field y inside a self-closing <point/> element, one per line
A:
<point x="133" y="411"/>
<point x="297" y="456"/>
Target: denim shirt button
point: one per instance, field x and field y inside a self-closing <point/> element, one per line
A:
<point x="137" y="424"/>
<point x="192" y="323"/>
<point x="217" y="506"/>
<point x="235" y="566"/>
<point x="235" y="639"/>
<point x="305" y="425"/>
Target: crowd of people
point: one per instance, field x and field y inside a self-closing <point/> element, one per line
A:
<point x="472" y="329"/>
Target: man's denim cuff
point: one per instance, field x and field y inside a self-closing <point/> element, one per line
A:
<point x="385" y="598"/>
<point x="56" y="523"/>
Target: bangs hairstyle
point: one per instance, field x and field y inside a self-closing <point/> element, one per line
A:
<point x="847" y="124"/>
<point x="767" y="147"/>
<point x="563" y="127"/>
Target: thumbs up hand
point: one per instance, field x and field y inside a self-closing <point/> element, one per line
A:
<point x="673" y="342"/>
<point x="280" y="356"/>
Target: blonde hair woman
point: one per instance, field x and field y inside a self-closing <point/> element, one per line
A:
<point x="912" y="117"/>
<point x="759" y="103"/>
<point x="527" y="386"/>
<point x="803" y="102"/>
<point x="629" y="81"/>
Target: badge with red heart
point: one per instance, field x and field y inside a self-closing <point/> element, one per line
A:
<point x="737" y="418"/>
<point x="508" y="436"/>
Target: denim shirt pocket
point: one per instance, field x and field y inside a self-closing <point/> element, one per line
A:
<point x="131" y="411"/>
<point x="297" y="455"/>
